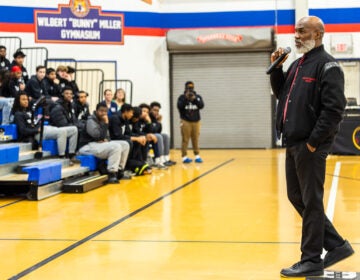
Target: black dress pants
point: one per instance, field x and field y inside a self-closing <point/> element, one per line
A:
<point x="305" y="176"/>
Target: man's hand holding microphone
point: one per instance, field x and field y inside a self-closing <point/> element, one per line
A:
<point x="278" y="57"/>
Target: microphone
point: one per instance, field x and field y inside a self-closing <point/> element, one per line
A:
<point x="287" y="50"/>
<point x="40" y="101"/>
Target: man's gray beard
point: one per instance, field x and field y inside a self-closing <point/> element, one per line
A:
<point x="307" y="46"/>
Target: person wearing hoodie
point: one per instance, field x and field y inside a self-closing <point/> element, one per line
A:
<point x="95" y="140"/>
<point x="62" y="116"/>
<point x="189" y="105"/>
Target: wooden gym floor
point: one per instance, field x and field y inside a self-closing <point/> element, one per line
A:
<point x="228" y="218"/>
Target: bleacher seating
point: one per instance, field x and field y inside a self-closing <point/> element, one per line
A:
<point x="89" y="161"/>
<point x="10" y="130"/>
<point x="44" y="173"/>
<point x="50" y="145"/>
<point x="9" y="153"/>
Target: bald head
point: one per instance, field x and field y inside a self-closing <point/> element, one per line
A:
<point x="314" y="23"/>
<point x="309" y="32"/>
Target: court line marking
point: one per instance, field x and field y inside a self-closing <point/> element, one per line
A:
<point x="104" y="229"/>
<point x="333" y="191"/>
<point x="36" y="239"/>
<point x="206" y="241"/>
<point x="330" y="209"/>
<point x="11" y="203"/>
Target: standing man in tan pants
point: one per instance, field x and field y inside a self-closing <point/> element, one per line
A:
<point x="189" y="104"/>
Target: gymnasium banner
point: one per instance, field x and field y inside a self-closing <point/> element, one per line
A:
<point x="220" y="39"/>
<point x="78" y="22"/>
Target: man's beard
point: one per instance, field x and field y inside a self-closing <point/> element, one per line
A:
<point x="306" y="46"/>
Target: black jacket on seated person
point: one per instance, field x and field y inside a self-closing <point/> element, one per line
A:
<point x="52" y="89"/>
<point x="156" y="126"/>
<point x="81" y="111"/>
<point x="36" y="88"/>
<point x="62" y="114"/>
<point x="119" y="128"/>
<point x="26" y="128"/>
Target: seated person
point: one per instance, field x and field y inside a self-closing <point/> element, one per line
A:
<point x="35" y="87"/>
<point x="28" y="127"/>
<point x="4" y="62"/>
<point x="71" y="79"/>
<point x="163" y="138"/>
<point x="137" y="131"/>
<point x="119" y="98"/>
<point x="109" y="102"/>
<point x="63" y="77"/>
<point x="81" y="108"/>
<point x="16" y="83"/>
<point x="62" y="116"/>
<point x="6" y="102"/>
<point x="153" y="139"/>
<point x="120" y="130"/>
<point x="95" y="140"/>
<point x="5" y="107"/>
<point x="19" y="58"/>
<point x="52" y="84"/>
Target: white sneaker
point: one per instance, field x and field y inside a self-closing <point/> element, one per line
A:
<point x="160" y="166"/>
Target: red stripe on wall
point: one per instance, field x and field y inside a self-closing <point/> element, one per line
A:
<point x="355" y="27"/>
<point x="284" y="29"/>
<point x="17" y="27"/>
<point x="143" y="31"/>
<point x="342" y="27"/>
<point x="138" y="31"/>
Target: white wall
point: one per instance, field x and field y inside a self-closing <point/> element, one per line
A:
<point x="145" y="60"/>
<point x="222" y="5"/>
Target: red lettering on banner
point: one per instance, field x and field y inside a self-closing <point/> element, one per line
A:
<point x="219" y="36"/>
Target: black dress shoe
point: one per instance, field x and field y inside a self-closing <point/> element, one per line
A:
<point x="304" y="269"/>
<point x="338" y="254"/>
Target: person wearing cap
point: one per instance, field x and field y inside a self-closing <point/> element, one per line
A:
<point x="189" y="105"/>
<point x="19" y="57"/>
<point x="4" y="62"/>
<point x="16" y="83"/>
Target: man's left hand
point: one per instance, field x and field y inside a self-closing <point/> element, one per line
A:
<point x="310" y="148"/>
